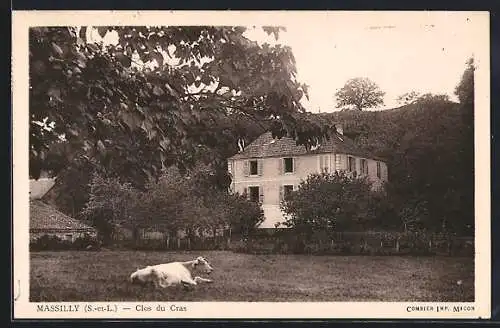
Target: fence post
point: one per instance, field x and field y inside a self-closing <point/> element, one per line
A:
<point x="178" y="243"/>
<point x="397" y="244"/>
<point x="229" y="238"/>
<point x="214" y="230"/>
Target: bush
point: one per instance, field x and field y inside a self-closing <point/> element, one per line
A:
<point x="244" y="215"/>
<point x="330" y="202"/>
<point x="54" y="243"/>
<point x="355" y="243"/>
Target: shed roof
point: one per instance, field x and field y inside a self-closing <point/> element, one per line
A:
<point x="45" y="217"/>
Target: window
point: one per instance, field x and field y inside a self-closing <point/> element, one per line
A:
<point x="351" y="164"/>
<point x="68" y="237"/>
<point x="324" y="163"/>
<point x="337" y="162"/>
<point x="230" y="168"/>
<point x="254" y="194"/>
<point x="254" y="168"/>
<point x="378" y="170"/>
<point x="287" y="189"/>
<point x="364" y="166"/>
<point x="288" y="164"/>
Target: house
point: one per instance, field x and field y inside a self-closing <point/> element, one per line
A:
<point x="46" y="220"/>
<point x="269" y="168"/>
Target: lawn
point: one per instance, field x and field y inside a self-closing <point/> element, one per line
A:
<point x="102" y="276"/>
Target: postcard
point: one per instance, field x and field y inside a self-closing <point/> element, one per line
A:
<point x="251" y="164"/>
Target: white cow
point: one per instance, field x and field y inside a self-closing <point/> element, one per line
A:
<point x="173" y="273"/>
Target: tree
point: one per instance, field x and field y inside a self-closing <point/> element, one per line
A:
<point x="243" y="215"/>
<point x="328" y="202"/>
<point x="429" y="149"/>
<point x="361" y="93"/>
<point x="150" y="99"/>
<point x="414" y="97"/>
<point x="465" y="89"/>
<point x="110" y="203"/>
<point x="176" y="202"/>
<point x="408" y="98"/>
<point x="429" y="98"/>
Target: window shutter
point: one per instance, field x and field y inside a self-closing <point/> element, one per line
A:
<point x="247" y="168"/>
<point x="294" y="164"/>
<point x="282" y="192"/>
<point x="246" y="193"/>
<point x="260" y="168"/>
<point x="261" y="195"/>
<point x="325" y="167"/>
<point x="280" y="165"/>
<point x="337" y="162"/>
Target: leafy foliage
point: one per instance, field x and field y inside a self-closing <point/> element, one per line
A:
<point x="189" y="202"/>
<point x="110" y="203"/>
<point x="329" y="202"/>
<point x="414" y="97"/>
<point x="155" y="97"/>
<point x="465" y="89"/>
<point x="361" y="93"/>
<point x="408" y="98"/>
<point x="429" y="147"/>
<point x="245" y="216"/>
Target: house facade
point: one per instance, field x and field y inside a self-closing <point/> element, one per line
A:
<point x="267" y="169"/>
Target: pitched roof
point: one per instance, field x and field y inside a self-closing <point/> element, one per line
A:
<point x="45" y="217"/>
<point x="266" y="146"/>
<point x="38" y="188"/>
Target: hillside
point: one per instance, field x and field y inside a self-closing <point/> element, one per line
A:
<point x="430" y="153"/>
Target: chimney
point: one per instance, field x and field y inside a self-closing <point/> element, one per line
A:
<point x="241" y="144"/>
<point x="340" y="129"/>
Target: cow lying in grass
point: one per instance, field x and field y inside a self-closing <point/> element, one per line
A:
<point x="173" y="273"/>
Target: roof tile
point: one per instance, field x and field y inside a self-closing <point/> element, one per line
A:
<point x="266" y="146"/>
<point x="45" y="217"/>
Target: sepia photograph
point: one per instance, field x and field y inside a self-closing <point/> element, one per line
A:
<point x="321" y="157"/>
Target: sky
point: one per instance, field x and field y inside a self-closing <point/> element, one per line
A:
<point x="398" y="58"/>
<point x="398" y="54"/>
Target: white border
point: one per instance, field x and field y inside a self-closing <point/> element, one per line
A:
<point x="22" y="20"/>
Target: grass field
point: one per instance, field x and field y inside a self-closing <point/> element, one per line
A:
<point x="102" y="276"/>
